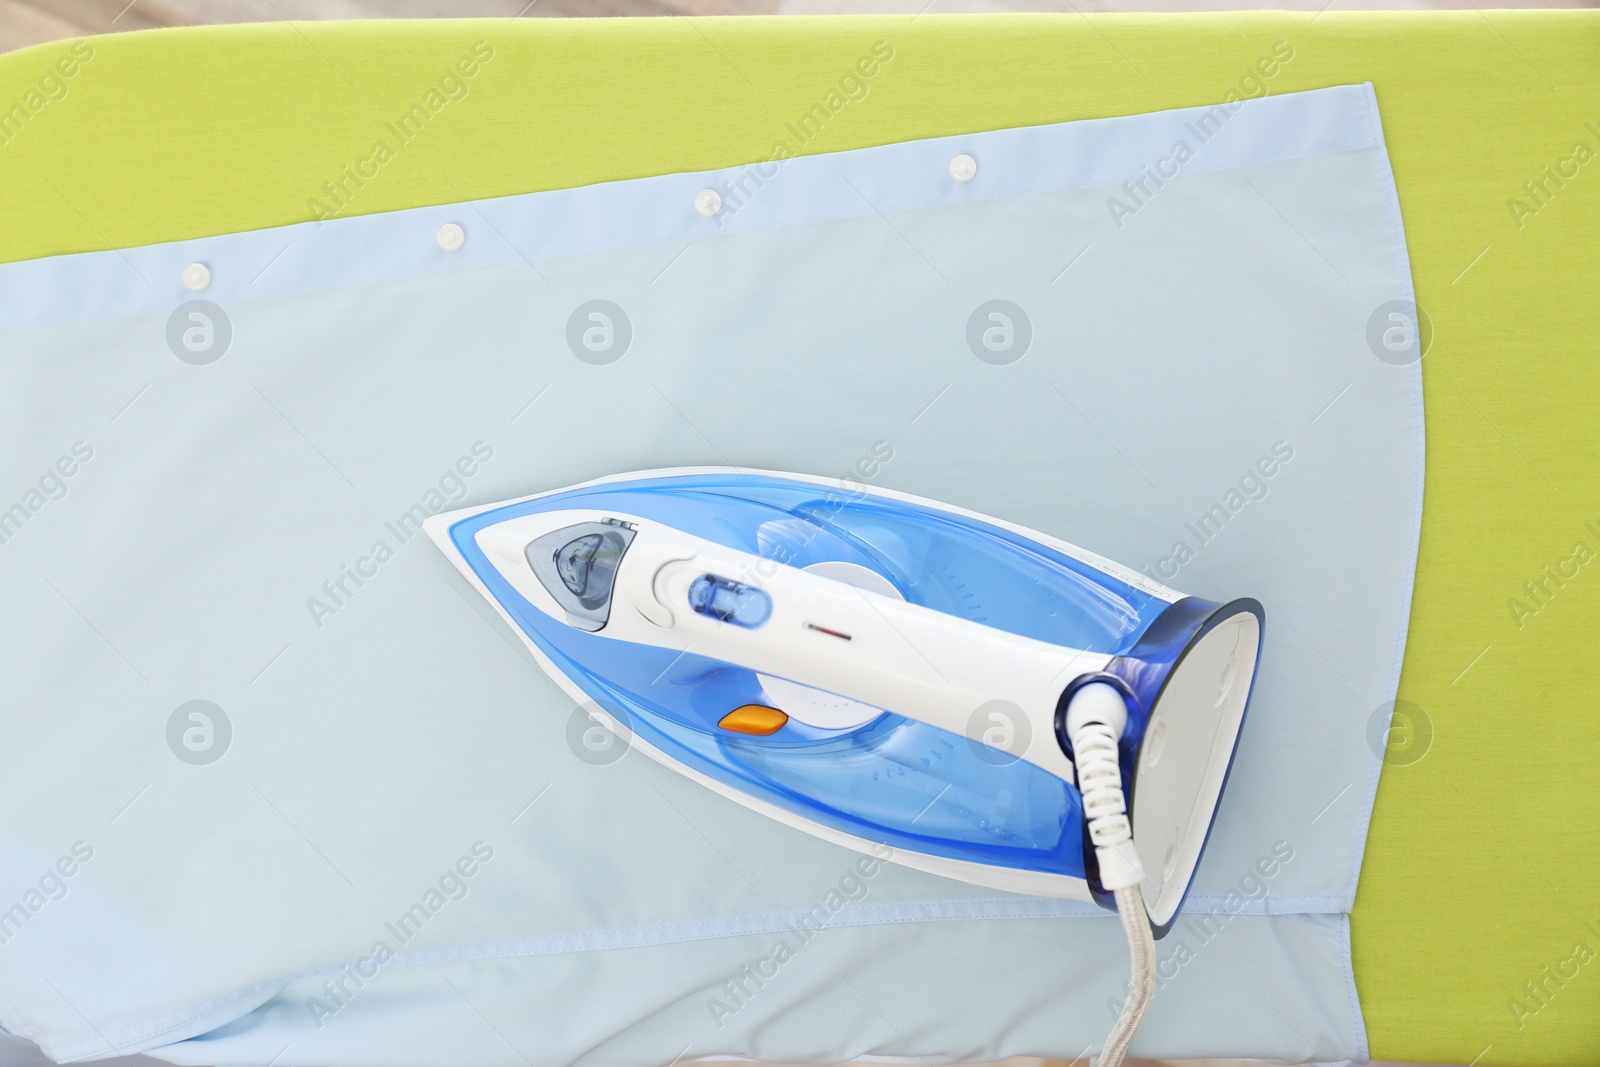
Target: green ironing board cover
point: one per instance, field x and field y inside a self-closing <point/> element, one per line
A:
<point x="1481" y="883"/>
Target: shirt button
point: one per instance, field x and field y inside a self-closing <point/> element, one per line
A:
<point x="451" y="237"/>
<point x="708" y="202"/>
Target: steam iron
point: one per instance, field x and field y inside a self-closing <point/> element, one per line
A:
<point x="874" y="668"/>
<point x="973" y="698"/>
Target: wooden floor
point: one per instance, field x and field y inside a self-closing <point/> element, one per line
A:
<point x="25" y="22"/>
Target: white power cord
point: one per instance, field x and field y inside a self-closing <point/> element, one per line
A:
<point x="1096" y="717"/>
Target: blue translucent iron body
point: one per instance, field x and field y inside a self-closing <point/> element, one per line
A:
<point x="892" y="780"/>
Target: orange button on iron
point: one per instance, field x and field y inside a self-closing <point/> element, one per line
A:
<point x="757" y="719"/>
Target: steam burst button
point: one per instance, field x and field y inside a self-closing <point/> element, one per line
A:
<point x="726" y="600"/>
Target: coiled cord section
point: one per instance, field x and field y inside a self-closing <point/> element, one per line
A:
<point x="1094" y="752"/>
<point x="1096" y="717"/>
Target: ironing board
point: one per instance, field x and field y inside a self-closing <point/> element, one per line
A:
<point x="1481" y="873"/>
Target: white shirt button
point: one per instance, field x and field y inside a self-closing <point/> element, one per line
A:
<point x="708" y="202"/>
<point x="451" y="237"/>
<point x="196" y="277"/>
<point x="963" y="168"/>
